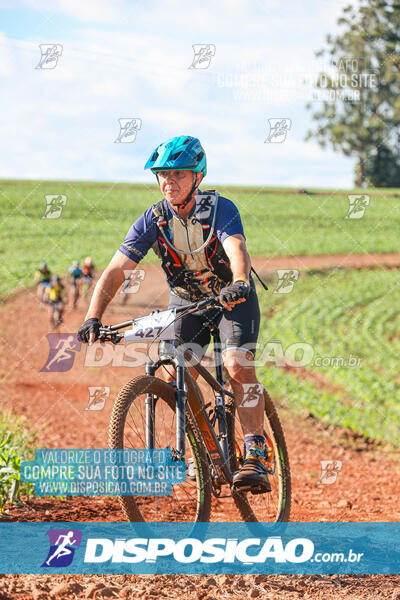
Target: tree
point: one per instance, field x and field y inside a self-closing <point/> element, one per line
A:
<point x="360" y="110"/>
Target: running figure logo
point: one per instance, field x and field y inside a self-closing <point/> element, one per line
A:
<point x="251" y="394"/>
<point x="63" y="347"/>
<point x="278" y="130"/>
<point x="128" y="129"/>
<point x="329" y="471"/>
<point x="54" y="206"/>
<point x="50" y="53"/>
<point x="63" y="543"/>
<point x="97" y="397"/>
<point x="203" y="54"/>
<point x="357" y="206"/>
<point x="286" y="280"/>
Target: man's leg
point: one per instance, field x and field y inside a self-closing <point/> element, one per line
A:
<point x="249" y="400"/>
<point x="192" y="332"/>
<point x="248" y="391"/>
<point x="239" y="332"/>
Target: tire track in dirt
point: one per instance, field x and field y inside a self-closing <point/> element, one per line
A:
<point x="54" y="404"/>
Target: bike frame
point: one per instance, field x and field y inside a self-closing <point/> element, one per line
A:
<point x="187" y="391"/>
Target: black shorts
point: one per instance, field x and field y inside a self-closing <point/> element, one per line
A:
<point x="57" y="304"/>
<point x="238" y="328"/>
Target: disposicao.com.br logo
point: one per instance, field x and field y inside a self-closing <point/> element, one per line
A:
<point x="190" y="548"/>
<point x="213" y="550"/>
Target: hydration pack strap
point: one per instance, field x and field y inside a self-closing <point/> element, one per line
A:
<point x="259" y="279"/>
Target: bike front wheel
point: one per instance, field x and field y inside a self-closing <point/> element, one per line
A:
<point x="190" y="500"/>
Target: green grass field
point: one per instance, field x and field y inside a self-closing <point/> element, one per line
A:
<point x="98" y="215"/>
<point x="341" y="314"/>
<point x="338" y="313"/>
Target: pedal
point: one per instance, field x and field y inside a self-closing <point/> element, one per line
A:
<point x="259" y="490"/>
<point x="255" y="490"/>
<point x="239" y="489"/>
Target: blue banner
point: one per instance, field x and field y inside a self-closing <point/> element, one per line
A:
<point x="250" y="548"/>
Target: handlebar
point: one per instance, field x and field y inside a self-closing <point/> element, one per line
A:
<point x="109" y="333"/>
<point x="210" y="302"/>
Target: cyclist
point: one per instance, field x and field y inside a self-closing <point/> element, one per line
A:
<point x="42" y="278"/>
<point x="183" y="221"/>
<point x="87" y="274"/>
<point x="75" y="274"/>
<point x="54" y="292"/>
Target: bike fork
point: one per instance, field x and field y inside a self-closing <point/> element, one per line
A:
<point x="220" y="401"/>
<point x="150" y="413"/>
<point x="181" y="395"/>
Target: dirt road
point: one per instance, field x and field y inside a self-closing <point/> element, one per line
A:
<point x="367" y="488"/>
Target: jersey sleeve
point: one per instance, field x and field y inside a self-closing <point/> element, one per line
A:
<point x="228" y="221"/>
<point x="140" y="237"/>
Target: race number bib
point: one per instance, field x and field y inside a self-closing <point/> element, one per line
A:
<point x="158" y="325"/>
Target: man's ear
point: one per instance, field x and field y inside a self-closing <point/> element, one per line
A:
<point x="198" y="182"/>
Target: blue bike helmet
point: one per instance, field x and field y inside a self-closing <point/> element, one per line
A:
<point x="181" y="153"/>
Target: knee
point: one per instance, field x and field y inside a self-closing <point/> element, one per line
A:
<point x="239" y="370"/>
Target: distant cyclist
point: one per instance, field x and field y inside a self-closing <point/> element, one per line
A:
<point x="87" y="274"/>
<point x="75" y="274"/>
<point x="54" y="293"/>
<point x="42" y="278"/>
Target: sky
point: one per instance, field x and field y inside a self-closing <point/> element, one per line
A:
<point x="131" y="59"/>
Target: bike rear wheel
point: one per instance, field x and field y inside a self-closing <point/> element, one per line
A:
<point x="272" y="506"/>
<point x="190" y="500"/>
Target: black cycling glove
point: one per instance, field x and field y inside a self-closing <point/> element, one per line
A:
<point x="92" y="325"/>
<point x="235" y="292"/>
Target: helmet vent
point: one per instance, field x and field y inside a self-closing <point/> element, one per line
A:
<point x="176" y="155"/>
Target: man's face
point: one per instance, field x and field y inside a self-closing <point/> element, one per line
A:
<point x="176" y="185"/>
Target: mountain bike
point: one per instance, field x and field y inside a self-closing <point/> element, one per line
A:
<point x="202" y="430"/>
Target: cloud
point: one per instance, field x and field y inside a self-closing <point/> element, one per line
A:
<point x="89" y="11"/>
<point x="131" y="59"/>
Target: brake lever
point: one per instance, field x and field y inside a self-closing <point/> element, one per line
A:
<point x="116" y="338"/>
<point x="109" y="336"/>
